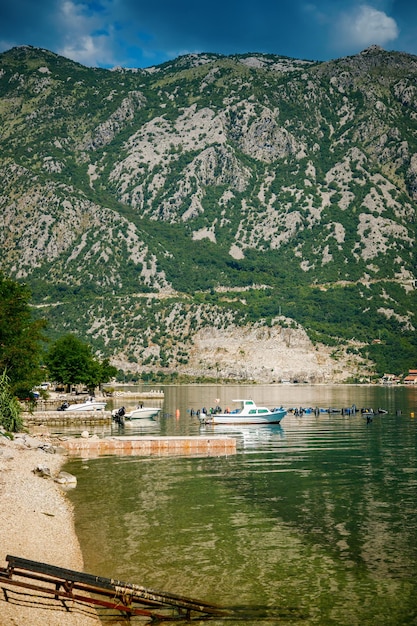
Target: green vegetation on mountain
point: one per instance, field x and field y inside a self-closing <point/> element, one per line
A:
<point x="142" y="207"/>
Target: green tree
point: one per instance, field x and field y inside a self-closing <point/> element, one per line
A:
<point x="71" y="362"/>
<point x="107" y="371"/>
<point x="10" y="409"/>
<point x="20" y="337"/>
<point x="99" y="372"/>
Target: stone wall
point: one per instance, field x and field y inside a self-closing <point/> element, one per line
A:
<point x="66" y="417"/>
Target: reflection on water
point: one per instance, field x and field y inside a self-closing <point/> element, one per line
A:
<point x="312" y="522"/>
<point x="143" y="426"/>
<point x="248" y="435"/>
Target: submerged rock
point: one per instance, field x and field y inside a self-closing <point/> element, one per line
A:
<point x="64" y="478"/>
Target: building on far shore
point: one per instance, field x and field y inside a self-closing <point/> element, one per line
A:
<point x="390" y="379"/>
<point x="411" y="378"/>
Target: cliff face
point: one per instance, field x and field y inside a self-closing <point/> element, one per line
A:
<point x="259" y="354"/>
<point x="146" y="208"/>
<point x="267" y="355"/>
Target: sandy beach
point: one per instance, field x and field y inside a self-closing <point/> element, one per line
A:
<point x="36" y="522"/>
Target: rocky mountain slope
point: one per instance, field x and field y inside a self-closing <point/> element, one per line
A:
<point x="231" y="198"/>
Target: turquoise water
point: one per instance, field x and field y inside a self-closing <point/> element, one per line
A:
<point x="311" y="522"/>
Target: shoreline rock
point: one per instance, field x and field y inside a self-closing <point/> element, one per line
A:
<point x="37" y="522"/>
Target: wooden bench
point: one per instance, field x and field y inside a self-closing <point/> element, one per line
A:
<point x="127" y="598"/>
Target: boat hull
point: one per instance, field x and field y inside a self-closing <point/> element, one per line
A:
<point x="143" y="413"/>
<point x="88" y="406"/>
<point x="228" y="418"/>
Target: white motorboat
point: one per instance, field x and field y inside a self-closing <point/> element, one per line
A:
<point x="88" y="405"/>
<point x="143" y="412"/>
<point x="248" y="413"/>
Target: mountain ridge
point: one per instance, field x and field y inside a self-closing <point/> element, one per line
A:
<point x="211" y="174"/>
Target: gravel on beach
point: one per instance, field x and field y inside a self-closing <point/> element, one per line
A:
<point x="36" y="522"/>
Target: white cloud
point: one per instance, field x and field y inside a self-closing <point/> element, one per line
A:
<point x="363" y="26"/>
<point x="87" y="37"/>
<point x="88" y="50"/>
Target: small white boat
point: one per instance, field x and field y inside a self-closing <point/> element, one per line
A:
<point x="248" y="413"/>
<point x="144" y="412"/>
<point x="88" y="405"/>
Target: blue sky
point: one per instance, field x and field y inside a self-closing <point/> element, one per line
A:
<point x="135" y="33"/>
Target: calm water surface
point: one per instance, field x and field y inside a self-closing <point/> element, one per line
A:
<point x="311" y="522"/>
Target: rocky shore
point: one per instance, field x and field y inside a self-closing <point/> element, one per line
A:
<point x="36" y="522"/>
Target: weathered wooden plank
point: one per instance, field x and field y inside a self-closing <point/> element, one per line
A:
<point x="19" y="563"/>
<point x="124" y="594"/>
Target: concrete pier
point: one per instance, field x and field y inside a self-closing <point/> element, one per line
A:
<point x="150" y="446"/>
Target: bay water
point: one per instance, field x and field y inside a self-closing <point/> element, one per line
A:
<point x="313" y="521"/>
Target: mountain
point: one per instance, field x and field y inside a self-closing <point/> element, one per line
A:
<point x="248" y="217"/>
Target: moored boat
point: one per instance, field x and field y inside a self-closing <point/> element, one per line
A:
<point x="141" y="412"/>
<point x="88" y="405"/>
<point x="248" y="413"/>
